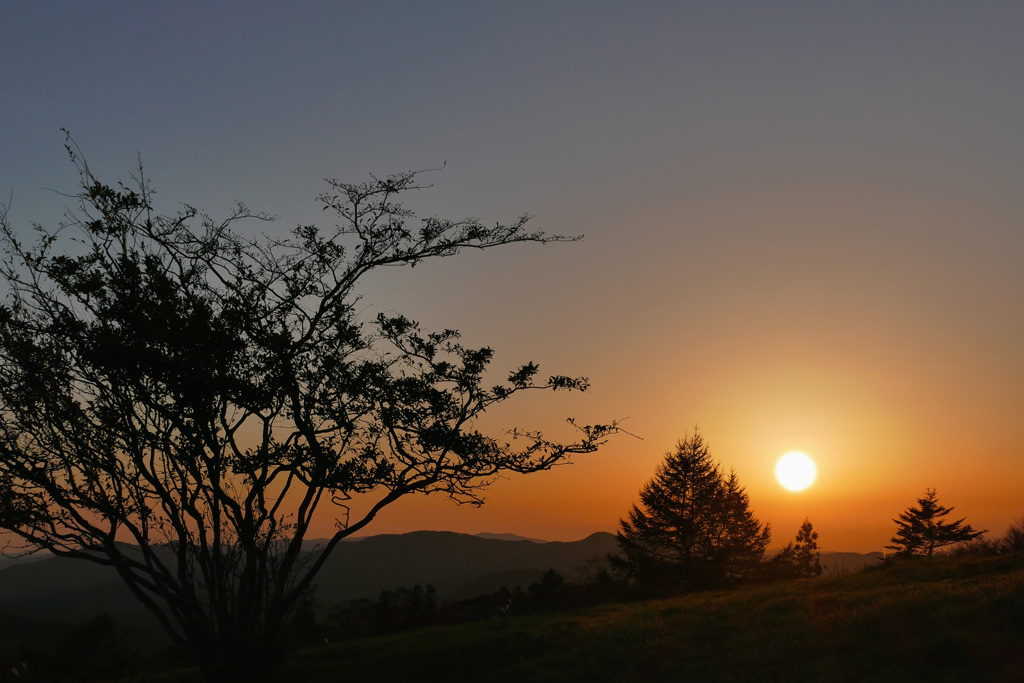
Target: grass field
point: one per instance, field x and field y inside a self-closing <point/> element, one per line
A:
<point x="951" y="619"/>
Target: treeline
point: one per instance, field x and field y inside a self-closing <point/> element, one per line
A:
<point x="403" y="609"/>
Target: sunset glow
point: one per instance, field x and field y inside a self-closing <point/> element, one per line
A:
<point x="803" y="224"/>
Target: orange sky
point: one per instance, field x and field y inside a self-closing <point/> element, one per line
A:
<point x="897" y="371"/>
<point x="803" y="220"/>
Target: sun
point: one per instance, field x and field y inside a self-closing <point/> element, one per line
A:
<point x="795" y="471"/>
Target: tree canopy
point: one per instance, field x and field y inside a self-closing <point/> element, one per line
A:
<point x="179" y="400"/>
<point x="922" y="529"/>
<point x="693" y="528"/>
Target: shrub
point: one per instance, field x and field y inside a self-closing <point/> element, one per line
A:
<point x="1012" y="541"/>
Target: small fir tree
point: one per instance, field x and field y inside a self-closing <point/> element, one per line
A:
<point x="801" y="560"/>
<point x="808" y="557"/>
<point x="921" y="530"/>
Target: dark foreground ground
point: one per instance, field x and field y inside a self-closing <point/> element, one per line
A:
<point x="951" y="619"/>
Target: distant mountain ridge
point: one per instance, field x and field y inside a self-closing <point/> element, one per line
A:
<point x="843" y="563"/>
<point x="510" y="537"/>
<point x="457" y="565"/>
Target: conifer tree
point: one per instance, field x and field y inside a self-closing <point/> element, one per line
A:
<point x="693" y="528"/>
<point x="801" y="560"/>
<point x="808" y="557"/>
<point x="920" y="530"/>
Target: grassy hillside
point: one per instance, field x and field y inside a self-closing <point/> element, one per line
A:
<point x="953" y="619"/>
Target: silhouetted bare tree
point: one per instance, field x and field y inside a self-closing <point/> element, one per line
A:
<point x="693" y="528"/>
<point x="178" y="400"/>
<point x="921" y="530"/>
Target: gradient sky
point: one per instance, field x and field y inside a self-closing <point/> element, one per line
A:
<point x="804" y="221"/>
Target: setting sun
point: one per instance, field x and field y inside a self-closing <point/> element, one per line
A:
<point x="795" y="471"/>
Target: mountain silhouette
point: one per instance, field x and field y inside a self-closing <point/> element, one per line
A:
<point x="58" y="589"/>
<point x="459" y="566"/>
